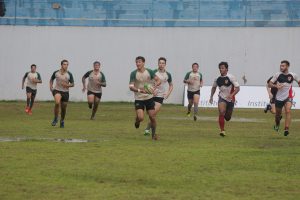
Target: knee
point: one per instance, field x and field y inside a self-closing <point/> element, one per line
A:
<point x="288" y="112"/>
<point x="140" y="118"/>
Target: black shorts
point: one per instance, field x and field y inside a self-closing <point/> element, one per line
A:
<point x="229" y="104"/>
<point x="32" y="91"/>
<point x="99" y="95"/>
<point x="280" y="104"/>
<point x="158" y="99"/>
<point x="142" y="104"/>
<point x="64" y="95"/>
<point x="190" y="95"/>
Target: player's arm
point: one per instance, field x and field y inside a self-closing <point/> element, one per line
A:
<point x="236" y="90"/>
<point x="51" y="81"/>
<point x="23" y="80"/>
<point x="272" y="82"/>
<point x="157" y="81"/>
<point x="83" y="81"/>
<point x="186" y="79"/>
<point x="171" y="87"/>
<point x="269" y="91"/>
<point x="134" y="89"/>
<point x="38" y="79"/>
<point x="71" y="81"/>
<point x="212" y="93"/>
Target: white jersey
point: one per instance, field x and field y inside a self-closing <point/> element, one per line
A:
<point x="287" y="81"/>
<point x="226" y="85"/>
<point x="196" y="79"/>
<point x="30" y="76"/>
<point x="165" y="78"/>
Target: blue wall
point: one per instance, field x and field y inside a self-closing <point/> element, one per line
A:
<point x="157" y="13"/>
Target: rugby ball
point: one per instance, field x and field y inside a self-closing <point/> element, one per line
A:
<point x="148" y="88"/>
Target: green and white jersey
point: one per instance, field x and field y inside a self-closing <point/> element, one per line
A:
<point x="30" y="77"/>
<point x="94" y="81"/>
<point x="196" y="78"/>
<point x="61" y="78"/>
<point x="165" y="78"/>
<point x="139" y="79"/>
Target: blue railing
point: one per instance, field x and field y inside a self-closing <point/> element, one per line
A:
<point x="152" y="13"/>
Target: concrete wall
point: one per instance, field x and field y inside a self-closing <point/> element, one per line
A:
<point x="255" y="52"/>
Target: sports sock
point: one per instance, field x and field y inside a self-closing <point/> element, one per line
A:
<point x="196" y="108"/>
<point x="28" y="102"/>
<point x="221" y="122"/>
<point x="148" y="126"/>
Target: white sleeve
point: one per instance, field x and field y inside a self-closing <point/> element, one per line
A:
<point x="275" y="77"/>
<point x="296" y="78"/>
<point x="234" y="81"/>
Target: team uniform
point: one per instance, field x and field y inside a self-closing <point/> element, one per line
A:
<point x="59" y="88"/>
<point x="139" y="79"/>
<point x="94" y="81"/>
<point x="194" y="88"/>
<point x="166" y="79"/>
<point x="31" y="87"/>
<point x="226" y="86"/>
<point x="285" y="94"/>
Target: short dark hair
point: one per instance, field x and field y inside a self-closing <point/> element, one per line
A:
<point x="33" y="65"/>
<point x="195" y="64"/>
<point x="62" y="62"/>
<point x="285" y="62"/>
<point x="96" y="62"/>
<point x="140" y="58"/>
<point x="162" y="58"/>
<point x="223" y="63"/>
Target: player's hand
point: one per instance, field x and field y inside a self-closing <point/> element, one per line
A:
<point x="211" y="100"/>
<point x="279" y="85"/>
<point x="229" y="98"/>
<point x="65" y="85"/>
<point x="166" y="96"/>
<point x="270" y="96"/>
<point x="83" y="89"/>
<point x="51" y="89"/>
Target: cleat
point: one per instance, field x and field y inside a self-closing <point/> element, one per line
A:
<point x="92" y="118"/>
<point x="286" y="132"/>
<point x="267" y="108"/>
<point x="147" y="132"/>
<point x="222" y="134"/>
<point x="27" y="109"/>
<point x="155" y="137"/>
<point x="195" y="118"/>
<point x="62" y="124"/>
<point x="137" y="124"/>
<point x="188" y="114"/>
<point x="54" y="122"/>
<point x="276" y="128"/>
<point x="29" y="112"/>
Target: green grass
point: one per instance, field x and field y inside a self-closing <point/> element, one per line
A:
<point x="191" y="161"/>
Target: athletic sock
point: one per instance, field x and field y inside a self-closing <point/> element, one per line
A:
<point x="196" y="108"/>
<point x="28" y="102"/>
<point x="221" y="122"/>
<point x="153" y="130"/>
<point x="189" y="108"/>
<point x="277" y="120"/>
<point x="286" y="128"/>
<point x="148" y="126"/>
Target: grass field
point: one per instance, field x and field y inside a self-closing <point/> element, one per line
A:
<point x="190" y="161"/>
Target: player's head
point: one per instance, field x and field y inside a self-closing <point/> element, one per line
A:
<point x="33" y="68"/>
<point x="162" y="63"/>
<point x="223" y="67"/>
<point x="195" y="67"/>
<point x="284" y="66"/>
<point x="96" y="65"/>
<point x="140" y="62"/>
<point x="64" y="64"/>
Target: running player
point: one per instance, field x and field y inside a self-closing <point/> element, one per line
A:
<point x="94" y="88"/>
<point x="64" y="80"/>
<point x="138" y="79"/>
<point x="164" y="90"/>
<point x="33" y="78"/>
<point x="284" y="96"/>
<point x="272" y="94"/>
<point x="194" y="81"/>
<point x="228" y="87"/>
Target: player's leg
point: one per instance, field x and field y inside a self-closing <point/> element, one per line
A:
<point x="64" y="103"/>
<point x="33" y="95"/>
<point x="278" y="106"/>
<point x="150" y="107"/>
<point x="229" y="111"/>
<point x="139" y="110"/>
<point x="190" y="96"/>
<point x="90" y="99"/>
<point x="57" y="99"/>
<point x="287" y="108"/>
<point x="273" y="108"/>
<point x="222" y="110"/>
<point x="28" y="97"/>
<point x="196" y="108"/>
<point x="157" y="109"/>
<point x="95" y="107"/>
